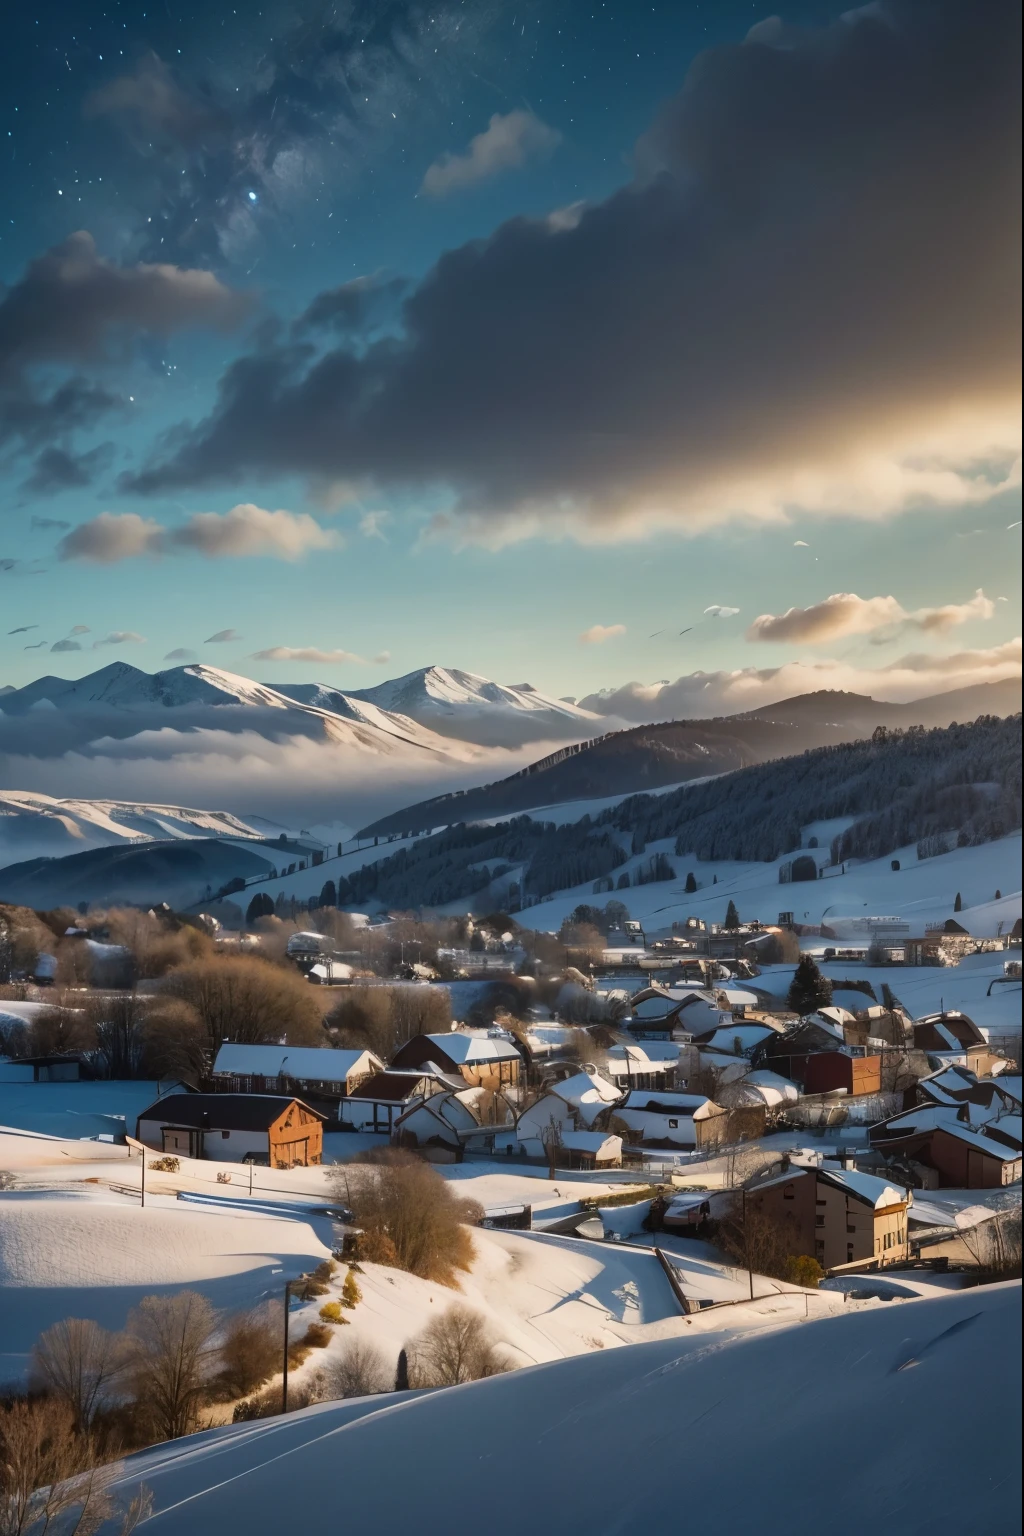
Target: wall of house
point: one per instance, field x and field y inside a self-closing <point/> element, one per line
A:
<point x="676" y="1130"/>
<point x="830" y="1071"/>
<point x="961" y="1166"/>
<point x="533" y="1121"/>
<point x="232" y="1146"/>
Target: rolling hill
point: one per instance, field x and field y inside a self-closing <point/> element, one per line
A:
<point x="650" y="757"/>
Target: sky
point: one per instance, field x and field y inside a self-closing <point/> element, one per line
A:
<point x="596" y="346"/>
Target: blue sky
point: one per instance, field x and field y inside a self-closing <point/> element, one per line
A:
<point x="444" y="504"/>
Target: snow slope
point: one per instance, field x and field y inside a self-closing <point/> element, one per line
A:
<point x="39" y="826"/>
<point x="838" y="1421"/>
<point x="472" y="708"/>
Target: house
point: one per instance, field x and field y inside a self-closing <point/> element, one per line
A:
<point x="684" y="1121"/>
<point x="229" y="1128"/>
<point x="482" y="1058"/>
<point x="837" y="1072"/>
<point x="678" y="1013"/>
<point x="952" y="1037"/>
<point x="837" y="1216"/>
<point x="41" y="1069"/>
<point x="958" y="1085"/>
<point x="757" y="1089"/>
<point x="967" y="1145"/>
<point x="632" y="1063"/>
<point x="318" y="1073"/>
<point x="376" y="1103"/>
<point x="571" y="1105"/>
<point x="788" y="1051"/>
<point x="589" y="1149"/>
<point x="440" y="1123"/>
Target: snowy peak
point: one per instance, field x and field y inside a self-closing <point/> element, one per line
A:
<point x="466" y="705"/>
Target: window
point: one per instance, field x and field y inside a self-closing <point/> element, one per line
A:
<point x="820" y="1202"/>
<point x="819" y="1221"/>
<point x="850" y="1228"/>
<point x="789" y="1193"/>
<point x="225" y="1135"/>
<point x="673" y="1125"/>
<point x="849" y="1253"/>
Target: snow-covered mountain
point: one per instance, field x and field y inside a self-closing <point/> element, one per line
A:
<point x="124" y="690"/>
<point x="38" y="826"/>
<point x="472" y="708"/>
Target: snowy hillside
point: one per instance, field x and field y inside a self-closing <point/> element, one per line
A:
<point x="741" y="1433"/>
<point x="38" y="826"/>
<point x="472" y="708"/>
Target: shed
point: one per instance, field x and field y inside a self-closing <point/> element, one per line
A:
<point x="228" y="1128"/>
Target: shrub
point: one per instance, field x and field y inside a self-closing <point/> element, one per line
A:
<point x="351" y="1295"/>
<point x="801" y="1269"/>
<point x="331" y="1312"/>
<point x="250" y="1353"/>
<point x="409" y="1217"/>
<point x="456" y="1347"/>
<point x="165" y="1165"/>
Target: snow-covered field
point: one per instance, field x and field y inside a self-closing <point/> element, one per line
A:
<point x="922" y="891"/>
<point x="892" y="1414"/>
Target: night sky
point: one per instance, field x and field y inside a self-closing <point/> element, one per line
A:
<point x="513" y="337"/>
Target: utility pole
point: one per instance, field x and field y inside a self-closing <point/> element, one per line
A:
<point x="746" y="1245"/>
<point x="284" y="1378"/>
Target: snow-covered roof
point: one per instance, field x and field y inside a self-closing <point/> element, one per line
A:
<point x="592" y="1141"/>
<point x="644" y="1055"/>
<point x="464" y="1048"/>
<point x="749" y="1035"/>
<point x="318" y="1064"/>
<point x="587" y="1092"/>
<point x="654" y="1102"/>
<point x="864" y="1186"/>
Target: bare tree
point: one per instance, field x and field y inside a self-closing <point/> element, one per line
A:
<point x="408" y="1216"/>
<point x="245" y="999"/>
<point x="169" y="1359"/>
<point x="79" y="1363"/>
<point x="456" y="1347"/>
<point x="361" y="1371"/>
<point x="551" y="1140"/>
<point x="47" y="1480"/>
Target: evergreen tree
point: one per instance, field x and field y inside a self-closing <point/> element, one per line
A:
<point x="958" y="905"/>
<point x="329" y="894"/>
<point x="691" y="883"/>
<point x="402" y="1373"/>
<point x="261" y="905"/>
<point x="809" y="989"/>
<point x="732" y="917"/>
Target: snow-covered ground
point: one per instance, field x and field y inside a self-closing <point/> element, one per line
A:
<point x="921" y="891"/>
<point x="905" y="1414"/>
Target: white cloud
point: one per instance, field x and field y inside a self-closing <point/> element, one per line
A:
<point x="120" y="637"/>
<point x="112" y="536"/>
<point x="720" y="611"/>
<point x="180" y="653"/>
<point x="309" y="653"/>
<point x="844" y="613"/>
<point x="244" y="530"/>
<point x="597" y="634"/>
<point x="251" y="530"/>
<point x="222" y="637"/>
<point x="508" y="141"/>
<point x="65" y="645"/>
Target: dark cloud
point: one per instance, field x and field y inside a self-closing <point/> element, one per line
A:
<point x="807" y="296"/>
<point x="354" y="306"/>
<point x="65" y="645"/>
<point x="242" y="531"/>
<point x="32" y="417"/>
<point x="74" y="306"/>
<point x="49" y="522"/>
<point x="61" y="469"/>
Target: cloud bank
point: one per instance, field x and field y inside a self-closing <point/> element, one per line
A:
<point x="844" y="613"/>
<point x="699" y="695"/>
<point x="597" y="634"/>
<point x="807" y="297"/>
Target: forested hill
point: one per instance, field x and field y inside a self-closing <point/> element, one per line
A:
<point x="677" y="751"/>
<point x="962" y="782"/>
